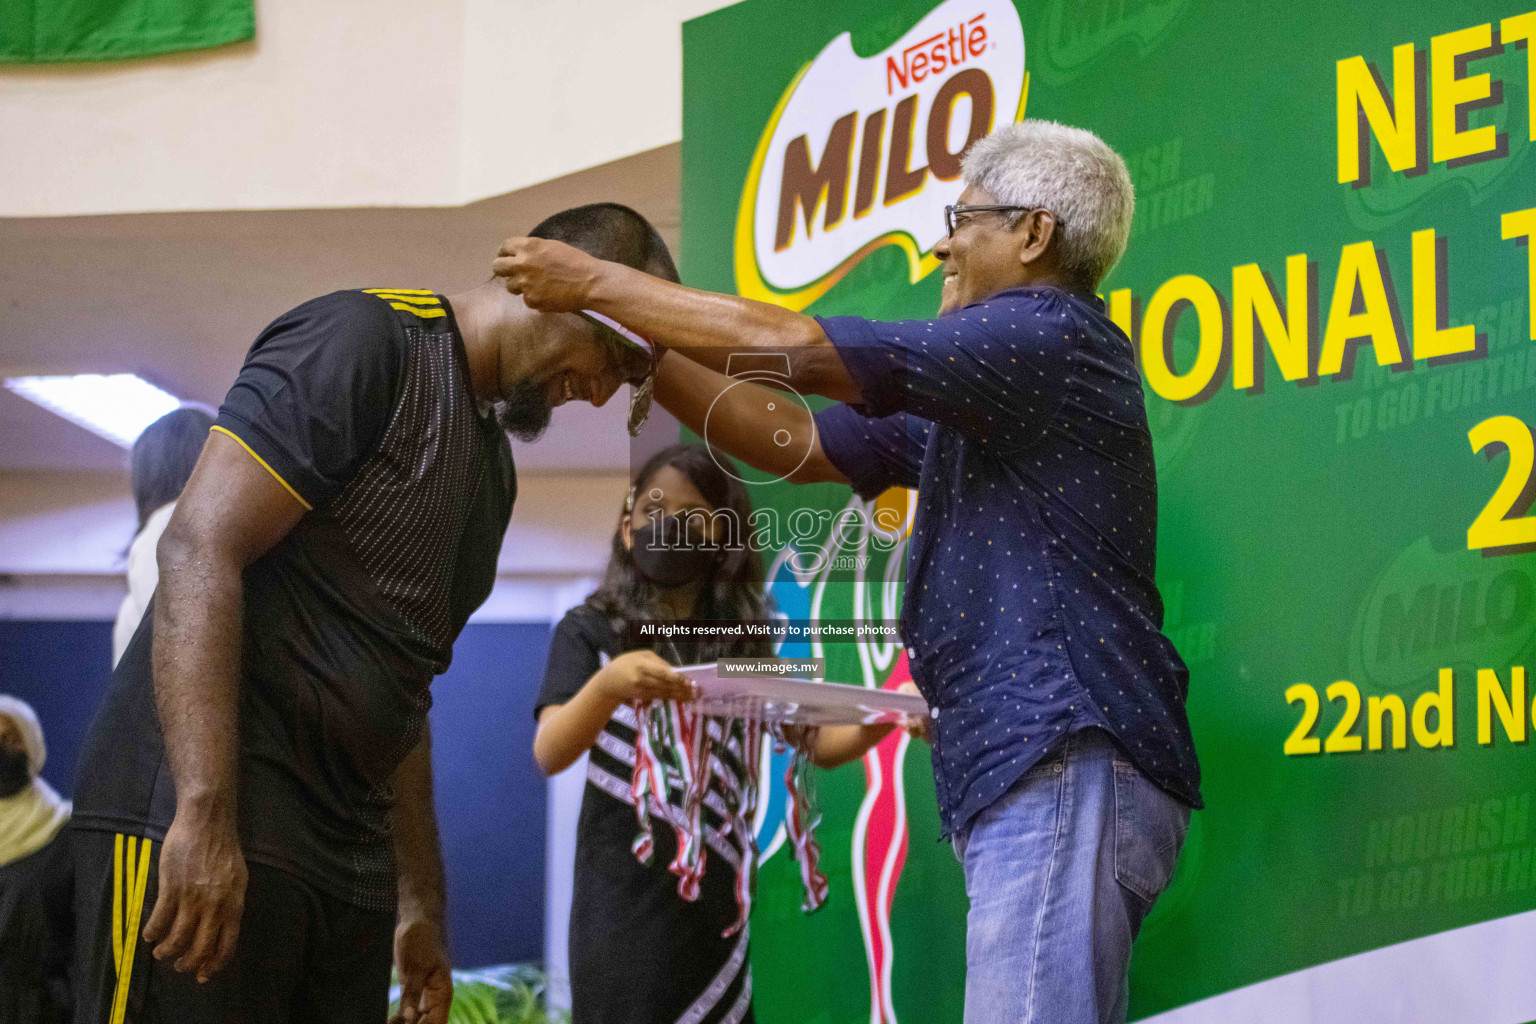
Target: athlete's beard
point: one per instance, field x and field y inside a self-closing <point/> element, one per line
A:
<point x="524" y="410"/>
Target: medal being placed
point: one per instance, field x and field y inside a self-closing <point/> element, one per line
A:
<point x="640" y="401"/>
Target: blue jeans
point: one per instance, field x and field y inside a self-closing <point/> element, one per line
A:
<point x="1060" y="872"/>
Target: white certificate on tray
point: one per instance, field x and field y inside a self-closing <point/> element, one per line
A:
<point x="800" y="701"/>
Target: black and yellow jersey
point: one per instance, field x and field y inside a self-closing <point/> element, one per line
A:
<point x="360" y="404"/>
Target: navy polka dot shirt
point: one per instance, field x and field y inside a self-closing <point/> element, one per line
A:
<point x="1030" y="608"/>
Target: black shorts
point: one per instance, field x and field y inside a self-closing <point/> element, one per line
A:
<point x="303" y="957"/>
<point x="36" y="919"/>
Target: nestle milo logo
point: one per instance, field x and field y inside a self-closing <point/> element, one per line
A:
<point x="1430" y="610"/>
<point x="864" y="152"/>
<point x="1078" y="31"/>
<point x="958" y="44"/>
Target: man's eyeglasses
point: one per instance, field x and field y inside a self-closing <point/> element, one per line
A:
<point x="956" y="215"/>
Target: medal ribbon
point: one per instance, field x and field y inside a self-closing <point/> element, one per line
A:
<point x="674" y="748"/>
<point x="801" y="816"/>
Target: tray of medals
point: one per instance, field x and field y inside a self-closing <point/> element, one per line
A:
<point x="789" y="701"/>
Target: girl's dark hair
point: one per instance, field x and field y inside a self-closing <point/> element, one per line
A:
<point x="163" y="458"/>
<point x="733" y="592"/>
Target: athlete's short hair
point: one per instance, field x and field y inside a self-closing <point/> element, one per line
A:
<point x="1072" y="173"/>
<point x="613" y="232"/>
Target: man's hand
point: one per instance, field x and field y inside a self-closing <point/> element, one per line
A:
<point x="196" y="921"/>
<point x="426" y="984"/>
<point x="552" y="277"/>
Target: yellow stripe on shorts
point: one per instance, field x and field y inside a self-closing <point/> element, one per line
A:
<point x="130" y="878"/>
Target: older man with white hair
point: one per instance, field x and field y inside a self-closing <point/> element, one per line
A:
<point x="1063" y="761"/>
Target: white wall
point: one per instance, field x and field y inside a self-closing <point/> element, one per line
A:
<point x="65" y="524"/>
<point x="63" y="537"/>
<point x="552" y="86"/>
<point x="73" y="524"/>
<point x="562" y="815"/>
<point x="339" y="103"/>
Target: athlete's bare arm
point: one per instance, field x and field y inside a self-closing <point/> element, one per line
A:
<point x="741" y="423"/>
<point x="554" y="277"/>
<point x="836" y="745"/>
<point x="421" y="952"/>
<point x="232" y="511"/>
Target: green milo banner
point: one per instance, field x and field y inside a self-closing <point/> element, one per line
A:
<point x="1329" y="285"/>
<point x="52" y="31"/>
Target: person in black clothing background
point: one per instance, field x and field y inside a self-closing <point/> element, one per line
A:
<point x="639" y="952"/>
<point x="35" y="920"/>
<point x="255" y="796"/>
<point x="160" y="465"/>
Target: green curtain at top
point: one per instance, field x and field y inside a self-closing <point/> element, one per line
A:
<point x="45" y="31"/>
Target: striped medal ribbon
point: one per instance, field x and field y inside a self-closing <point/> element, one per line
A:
<point x="648" y="785"/>
<point x="801" y="817"/>
<point x="673" y="749"/>
<point x="691" y="754"/>
<point x="743" y="823"/>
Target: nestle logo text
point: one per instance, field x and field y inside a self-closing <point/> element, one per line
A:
<point x="937" y="52"/>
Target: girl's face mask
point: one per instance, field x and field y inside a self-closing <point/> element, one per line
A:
<point x="668" y="556"/>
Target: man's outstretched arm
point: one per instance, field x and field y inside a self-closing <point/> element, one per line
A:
<point x="741" y="422"/>
<point x="553" y="277"/>
<point x="232" y="511"/>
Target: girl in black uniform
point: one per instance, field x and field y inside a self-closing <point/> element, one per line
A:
<point x="639" y="952"/>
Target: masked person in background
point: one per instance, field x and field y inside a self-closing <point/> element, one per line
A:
<point x="161" y="465"/>
<point x="640" y="952"/>
<point x="34" y="876"/>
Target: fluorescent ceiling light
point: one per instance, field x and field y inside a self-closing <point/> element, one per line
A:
<point x="117" y="406"/>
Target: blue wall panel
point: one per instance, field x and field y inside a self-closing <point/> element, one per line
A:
<point x="62" y="669"/>
<point x="490" y="794"/>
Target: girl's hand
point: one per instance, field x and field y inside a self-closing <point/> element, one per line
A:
<point x="798" y="736"/>
<point x="642" y="676"/>
<point x="915" y="727"/>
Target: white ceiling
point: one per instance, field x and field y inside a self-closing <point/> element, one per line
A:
<point x="177" y="298"/>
